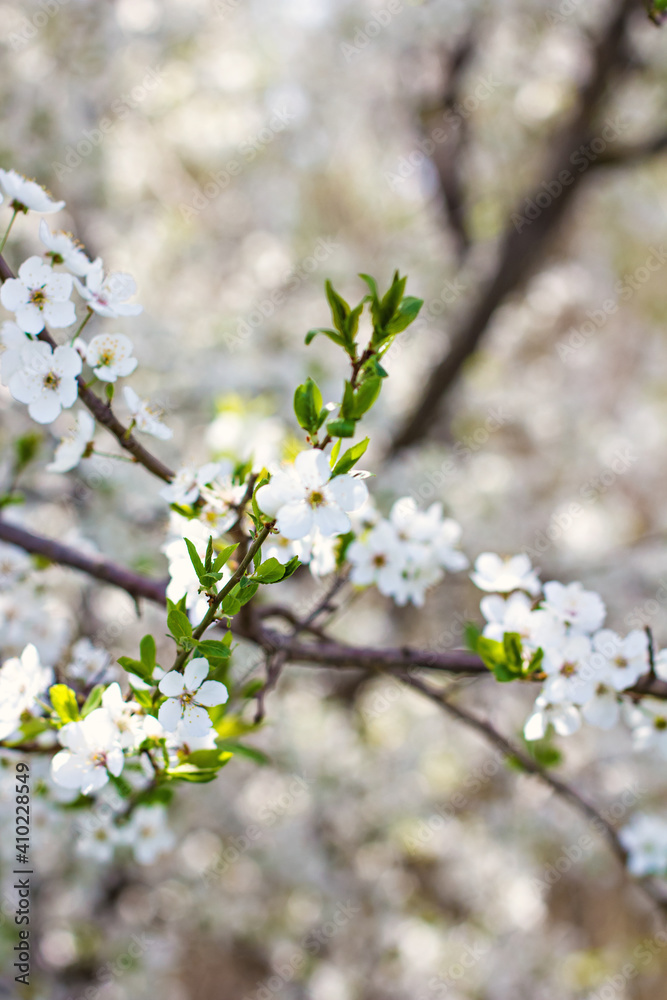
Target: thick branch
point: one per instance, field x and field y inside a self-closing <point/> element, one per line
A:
<point x="102" y="411"/>
<point x="96" y="566"/>
<point x="522" y="244"/>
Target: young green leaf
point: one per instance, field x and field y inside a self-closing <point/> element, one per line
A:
<point x="64" y="702"/>
<point x="350" y="458"/>
<point x="179" y="625"/>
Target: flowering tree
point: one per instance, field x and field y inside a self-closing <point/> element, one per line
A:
<point x="238" y="526"/>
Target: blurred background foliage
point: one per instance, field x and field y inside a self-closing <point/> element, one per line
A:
<point x="232" y="155"/>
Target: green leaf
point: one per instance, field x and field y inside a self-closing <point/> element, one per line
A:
<point x="392" y="299"/>
<point x="223" y="556"/>
<point x="340" y="310"/>
<point x="208" y="758"/>
<point x="270" y="571"/>
<point x="148" y="652"/>
<point x="366" y="394"/>
<point x="64" y="702"/>
<point x="405" y="316"/>
<point x="350" y="458"/>
<point x="471" y="634"/>
<point x="179" y="625"/>
<point x="136" y="667"/>
<point x="291" y="567"/>
<point x="26" y="448"/>
<point x="341" y="428"/>
<point x="208" y="559"/>
<point x="307" y="406"/>
<point x="244" y="751"/>
<point x="213" y="649"/>
<point x="93" y="701"/>
<point x="246" y="591"/>
<point x="195" y="559"/>
<point x="331" y="334"/>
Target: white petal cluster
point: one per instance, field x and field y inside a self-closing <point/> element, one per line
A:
<point x="145" y="416"/>
<point x="189" y="695"/>
<point x="39" y="295"/>
<point x="645" y="840"/>
<point x="23" y="680"/>
<point x="212" y="486"/>
<point x="75" y="445"/>
<point x="62" y="248"/>
<point x="183" y="580"/>
<point x="110" y="356"/>
<point x="586" y="667"/>
<point x="26" y="195"/>
<point x="107" y="294"/>
<point x="305" y="497"/>
<point x="407" y="553"/>
<point x="43" y="378"/>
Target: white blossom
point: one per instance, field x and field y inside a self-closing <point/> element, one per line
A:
<point x="108" y="294"/>
<point x="24" y="194"/>
<point x="645" y="840"/>
<point x="110" y="356"/>
<point x="146" y="417"/>
<point x="99" y="840"/>
<point x="75" y="445"/>
<point x="43" y="378"/>
<point x="563" y="717"/>
<point x="378" y="557"/>
<point x="189" y="695"/>
<point x="305" y="497"/>
<point x="39" y="295"/>
<point x="571" y="674"/>
<point x="581" y="610"/>
<point x="92" y="751"/>
<point x="648" y="721"/>
<point x="62" y="248"/>
<point x="502" y="576"/>
<point x="188" y="482"/>
<point x="132" y="724"/>
<point x="14" y="565"/>
<point x="603" y="707"/>
<point x="22" y="681"/>
<point x="626" y="659"/>
<point x="147" y="833"/>
<point x="88" y="662"/>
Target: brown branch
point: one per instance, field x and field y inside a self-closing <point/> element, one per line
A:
<point x="102" y="411"/>
<point x="528" y="764"/>
<point x="521" y="247"/>
<point x="327" y="653"/>
<point x="98" y="567"/>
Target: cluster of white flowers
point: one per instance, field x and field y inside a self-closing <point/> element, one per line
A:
<point x="586" y="667"/>
<point x="46" y="378"/>
<point x="23" y="681"/>
<point x="407" y="553"/>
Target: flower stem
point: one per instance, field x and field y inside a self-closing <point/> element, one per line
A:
<point x="209" y="617"/>
<point x="8" y="230"/>
<point x="83" y="323"/>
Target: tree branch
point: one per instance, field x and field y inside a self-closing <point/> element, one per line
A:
<point x="648" y="886"/>
<point x="521" y="248"/>
<point x="102" y="411"/>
